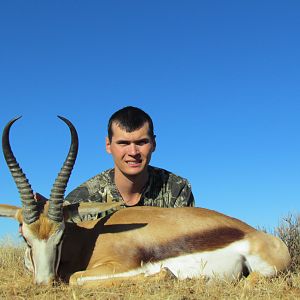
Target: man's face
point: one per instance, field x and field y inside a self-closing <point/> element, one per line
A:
<point x="131" y="151"/>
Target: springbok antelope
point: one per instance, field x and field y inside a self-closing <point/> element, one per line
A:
<point x="133" y="242"/>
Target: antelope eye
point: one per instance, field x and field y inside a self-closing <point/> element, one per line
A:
<point x="20" y="228"/>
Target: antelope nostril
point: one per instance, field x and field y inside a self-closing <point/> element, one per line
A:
<point x="52" y="281"/>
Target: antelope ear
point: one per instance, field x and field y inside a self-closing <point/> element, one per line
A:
<point x="77" y="211"/>
<point x="11" y="211"/>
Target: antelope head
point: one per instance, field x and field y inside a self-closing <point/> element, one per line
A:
<point x="42" y="224"/>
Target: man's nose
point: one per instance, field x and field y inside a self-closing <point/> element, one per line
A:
<point x="133" y="149"/>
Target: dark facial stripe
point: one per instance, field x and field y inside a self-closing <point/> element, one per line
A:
<point x="197" y="242"/>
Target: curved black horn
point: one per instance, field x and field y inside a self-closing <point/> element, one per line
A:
<point x="30" y="208"/>
<point x="55" y="211"/>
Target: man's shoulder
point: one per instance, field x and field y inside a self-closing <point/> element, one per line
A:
<point x="104" y="177"/>
<point x="95" y="183"/>
<point x="94" y="189"/>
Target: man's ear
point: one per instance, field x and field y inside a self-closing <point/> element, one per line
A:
<point x="154" y="143"/>
<point x="107" y="145"/>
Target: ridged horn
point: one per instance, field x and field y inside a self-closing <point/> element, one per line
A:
<point x="30" y="207"/>
<point x="55" y="211"/>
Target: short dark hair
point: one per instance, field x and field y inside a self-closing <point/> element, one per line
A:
<point x="130" y="118"/>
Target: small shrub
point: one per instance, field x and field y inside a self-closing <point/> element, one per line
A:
<point x="289" y="232"/>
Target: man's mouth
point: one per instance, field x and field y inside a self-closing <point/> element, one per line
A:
<point x="134" y="163"/>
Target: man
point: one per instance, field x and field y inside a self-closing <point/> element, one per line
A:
<point x="132" y="181"/>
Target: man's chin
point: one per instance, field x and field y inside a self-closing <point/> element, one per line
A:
<point x="133" y="172"/>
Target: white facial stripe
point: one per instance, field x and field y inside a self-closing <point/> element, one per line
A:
<point x="43" y="258"/>
<point x="28" y="260"/>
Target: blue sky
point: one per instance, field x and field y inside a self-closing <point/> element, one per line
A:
<point x="219" y="78"/>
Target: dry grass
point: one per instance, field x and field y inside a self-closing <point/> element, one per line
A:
<point x="16" y="283"/>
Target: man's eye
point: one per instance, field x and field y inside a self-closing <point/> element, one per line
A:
<point x="122" y="143"/>
<point x="143" y="142"/>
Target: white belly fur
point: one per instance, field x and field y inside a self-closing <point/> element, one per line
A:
<point x="226" y="263"/>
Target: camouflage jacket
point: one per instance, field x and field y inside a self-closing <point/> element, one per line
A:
<point x="163" y="189"/>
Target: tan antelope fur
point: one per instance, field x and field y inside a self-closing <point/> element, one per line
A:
<point x="188" y="242"/>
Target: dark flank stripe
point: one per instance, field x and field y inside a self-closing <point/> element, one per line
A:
<point x="198" y="242"/>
